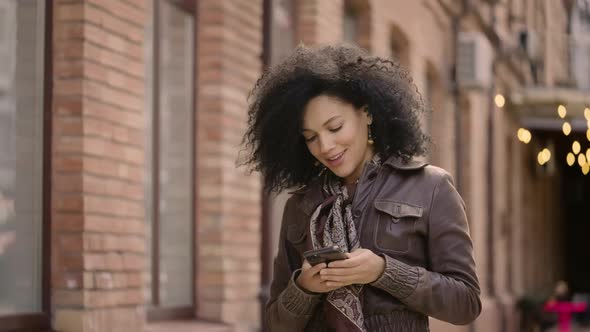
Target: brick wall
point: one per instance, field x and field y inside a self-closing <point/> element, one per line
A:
<point x="320" y="22"/>
<point x="97" y="165"/>
<point x="228" y="201"/>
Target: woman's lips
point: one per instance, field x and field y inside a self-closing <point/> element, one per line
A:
<point x="336" y="160"/>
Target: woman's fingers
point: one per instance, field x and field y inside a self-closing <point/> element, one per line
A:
<point x="317" y="268"/>
<point x="335" y="284"/>
<point x="353" y="261"/>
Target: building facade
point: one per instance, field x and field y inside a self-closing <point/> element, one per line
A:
<point x="121" y="206"/>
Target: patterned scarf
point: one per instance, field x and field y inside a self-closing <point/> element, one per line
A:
<point x="338" y="228"/>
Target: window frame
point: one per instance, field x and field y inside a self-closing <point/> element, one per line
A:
<point x="155" y="312"/>
<point x="42" y="320"/>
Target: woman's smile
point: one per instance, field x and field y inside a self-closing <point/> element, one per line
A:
<point x="335" y="161"/>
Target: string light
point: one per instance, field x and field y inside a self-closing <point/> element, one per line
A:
<point x="524" y="135"/>
<point x="581" y="160"/>
<point x="587" y="113"/>
<point x="576" y="147"/>
<point x="500" y="100"/>
<point x="544" y="156"/>
<point x="567" y="129"/>
<point x="585" y="169"/>
<point x="571" y="159"/>
<point x="562" y="111"/>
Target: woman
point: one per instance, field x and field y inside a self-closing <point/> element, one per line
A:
<point x="345" y="128"/>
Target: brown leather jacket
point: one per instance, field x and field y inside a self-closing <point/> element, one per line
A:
<point x="409" y="213"/>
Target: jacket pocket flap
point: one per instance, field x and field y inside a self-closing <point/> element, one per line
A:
<point x="295" y="234"/>
<point x="398" y="210"/>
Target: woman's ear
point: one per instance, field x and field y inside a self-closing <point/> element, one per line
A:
<point x="369" y="116"/>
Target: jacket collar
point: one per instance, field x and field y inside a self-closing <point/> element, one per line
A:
<point x="409" y="165"/>
<point x="313" y="195"/>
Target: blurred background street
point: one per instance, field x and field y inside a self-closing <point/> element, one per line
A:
<point x="121" y="206"/>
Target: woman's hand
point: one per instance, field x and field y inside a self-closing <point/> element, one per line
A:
<point x="309" y="278"/>
<point x="361" y="267"/>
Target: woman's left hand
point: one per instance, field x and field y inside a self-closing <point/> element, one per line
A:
<point x="362" y="267"/>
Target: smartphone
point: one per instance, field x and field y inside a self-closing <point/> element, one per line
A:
<point x="325" y="255"/>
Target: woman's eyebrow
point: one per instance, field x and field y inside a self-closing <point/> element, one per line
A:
<point x="325" y="123"/>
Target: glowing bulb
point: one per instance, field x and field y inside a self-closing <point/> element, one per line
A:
<point x="500" y="100"/>
<point x="520" y="133"/>
<point x="571" y="159"/>
<point x="588" y="134"/>
<point x="567" y="129"/>
<point x="561" y="110"/>
<point x="588" y="155"/>
<point x="546" y="154"/>
<point x="541" y="158"/>
<point x="587" y="113"/>
<point x="526" y="136"/>
<point x="585" y="169"/>
<point x="581" y="159"/>
<point x="576" y="147"/>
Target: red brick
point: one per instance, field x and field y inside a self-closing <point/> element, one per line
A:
<point x="67" y="183"/>
<point x="68" y="298"/>
<point x="68" y="87"/>
<point x="94" y="242"/>
<point x="132" y="13"/>
<point x="69" y="12"/>
<point x="69" y="222"/>
<point x="113" y="261"/>
<point x="95" y="261"/>
<point x="112" y="59"/>
<point x="132" y="261"/>
<point x="68" y="203"/>
<point x="68" y="280"/>
<point x="101" y="223"/>
<point x="71" y="262"/>
<point x="114" y="25"/>
<point x="110" y="41"/>
<point x="120" y="99"/>
<point x="104" y="280"/>
<point x="71" y="242"/>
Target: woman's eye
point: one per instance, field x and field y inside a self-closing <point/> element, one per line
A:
<point x="335" y="129"/>
<point x="310" y="139"/>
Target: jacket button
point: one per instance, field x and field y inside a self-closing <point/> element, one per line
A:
<point x="356" y="213"/>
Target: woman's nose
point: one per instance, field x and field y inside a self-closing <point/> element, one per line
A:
<point x="326" y="145"/>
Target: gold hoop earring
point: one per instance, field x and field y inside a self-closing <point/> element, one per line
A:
<point x="370" y="140"/>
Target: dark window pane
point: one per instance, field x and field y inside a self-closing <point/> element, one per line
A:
<point x="21" y="155"/>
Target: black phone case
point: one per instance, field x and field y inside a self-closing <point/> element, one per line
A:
<point x="324" y="255"/>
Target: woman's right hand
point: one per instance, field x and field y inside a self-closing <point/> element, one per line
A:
<point x="309" y="278"/>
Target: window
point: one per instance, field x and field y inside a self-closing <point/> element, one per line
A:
<point x="351" y="26"/>
<point x="170" y="183"/>
<point x="399" y="46"/>
<point x="356" y="28"/>
<point x="23" y="204"/>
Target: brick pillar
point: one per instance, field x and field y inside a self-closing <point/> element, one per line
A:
<point x="97" y="165"/>
<point x="228" y="200"/>
<point x="320" y="21"/>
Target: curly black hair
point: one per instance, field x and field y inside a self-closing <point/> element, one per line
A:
<point x="274" y="143"/>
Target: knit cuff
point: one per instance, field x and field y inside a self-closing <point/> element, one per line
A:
<point x="398" y="279"/>
<point x="296" y="300"/>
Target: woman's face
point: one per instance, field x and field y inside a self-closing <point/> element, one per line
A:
<point x="336" y="134"/>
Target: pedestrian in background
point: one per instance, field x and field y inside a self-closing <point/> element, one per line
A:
<point x="344" y="127"/>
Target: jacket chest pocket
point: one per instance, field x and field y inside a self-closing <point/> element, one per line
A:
<point x="396" y="225"/>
